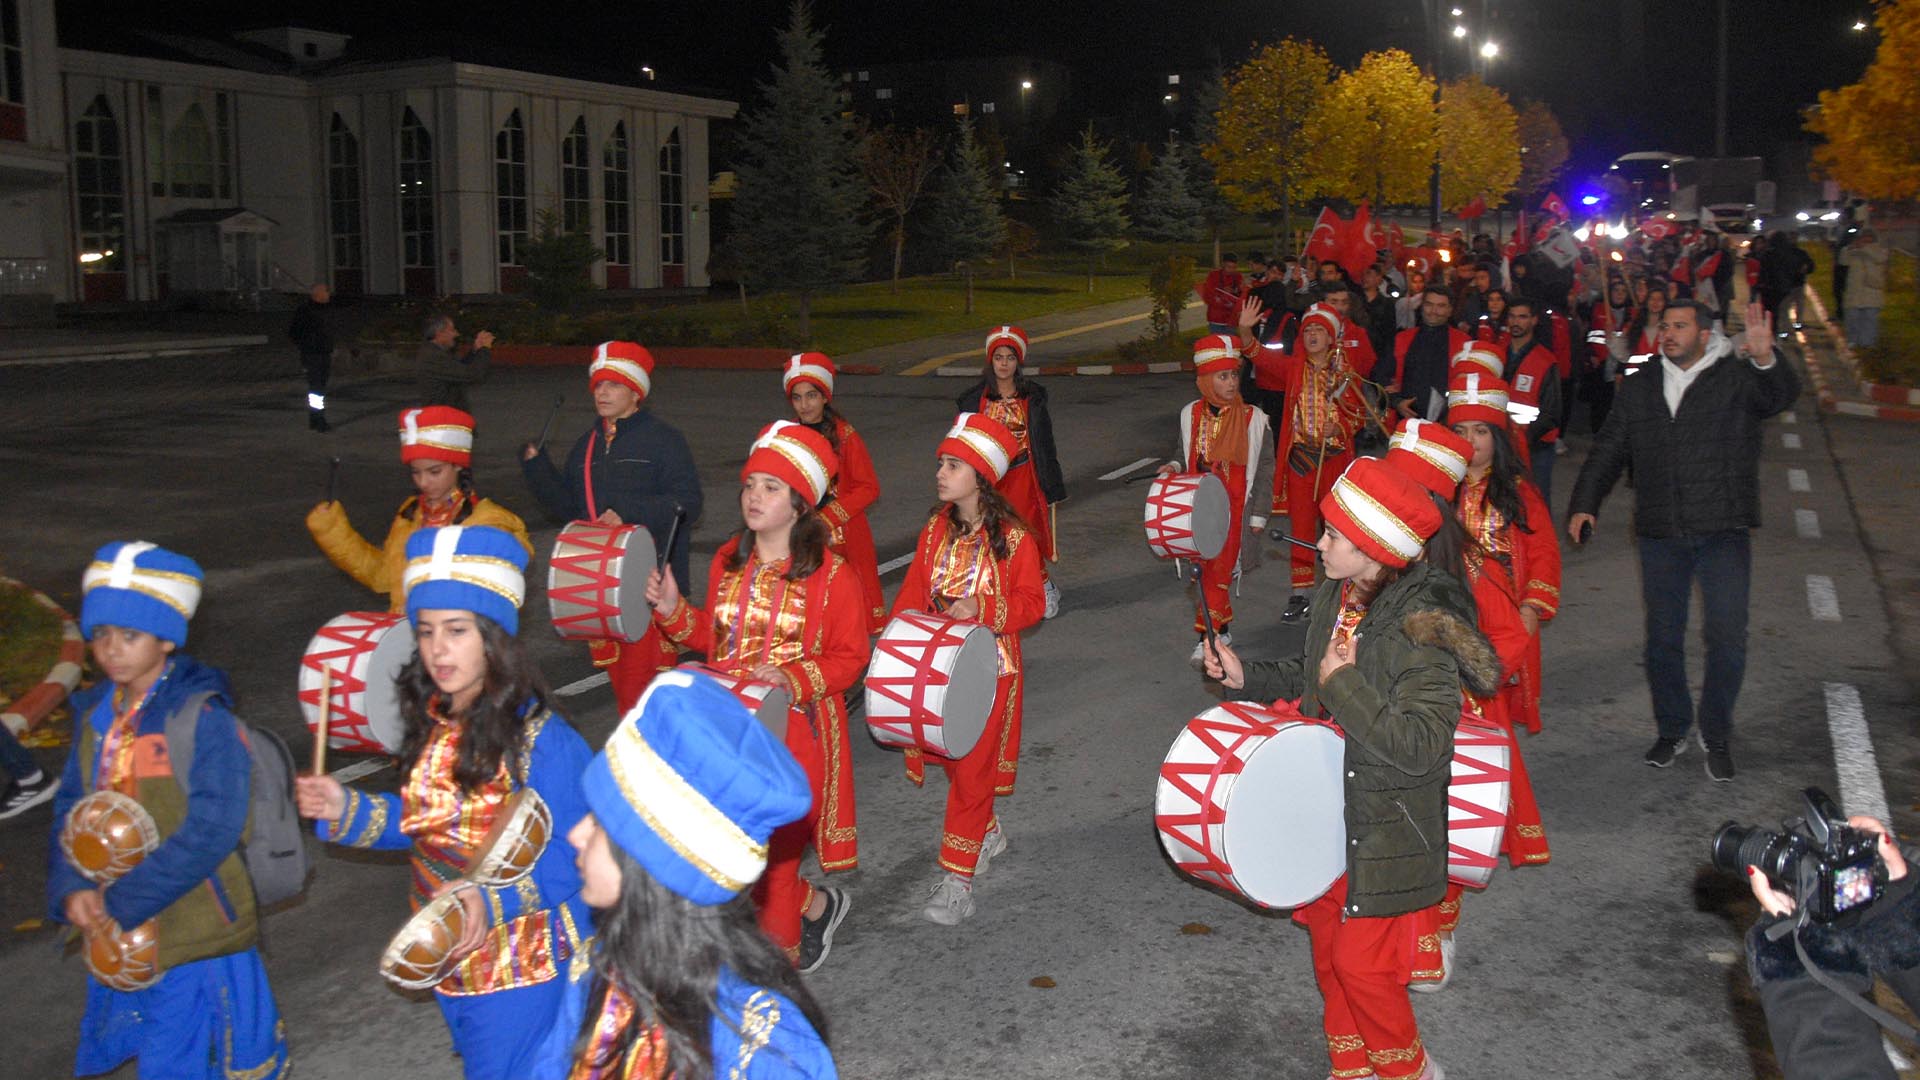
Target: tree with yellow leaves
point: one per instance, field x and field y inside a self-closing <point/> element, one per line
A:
<point x="1479" y="143"/>
<point x="1261" y="161"/>
<point x="1543" y="149"/>
<point x="1872" y="142"/>
<point x="1376" y="134"/>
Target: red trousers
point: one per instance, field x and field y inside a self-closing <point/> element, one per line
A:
<point x="974" y="780"/>
<point x="1309" y="477"/>
<point x="1216" y="574"/>
<point x="631" y="665"/>
<point x="781" y="896"/>
<point x="1362" y="965"/>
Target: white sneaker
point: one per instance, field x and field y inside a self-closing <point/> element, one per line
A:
<point x="994" y="844"/>
<point x="1434" y="986"/>
<point x="1053" y="599"/>
<point x="951" y="900"/>
<point x="1198" y="660"/>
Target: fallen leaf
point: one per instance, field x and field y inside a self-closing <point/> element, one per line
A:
<point x="29" y="924"/>
<point x="1196" y="928"/>
<point x="1042" y="982"/>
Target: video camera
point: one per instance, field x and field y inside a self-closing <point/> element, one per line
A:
<point x="1832" y="869"/>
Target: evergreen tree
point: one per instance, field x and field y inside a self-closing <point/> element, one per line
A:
<point x="1215" y="211"/>
<point x="1166" y="208"/>
<point x="1090" y="205"/>
<point x="797" y="216"/>
<point x="966" y="223"/>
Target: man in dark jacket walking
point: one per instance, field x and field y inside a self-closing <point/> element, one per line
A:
<point x="1691" y="429"/>
<point x="312" y="333"/>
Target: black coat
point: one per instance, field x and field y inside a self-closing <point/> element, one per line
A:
<point x="312" y="329"/>
<point x="643" y="477"/>
<point x="1046" y="462"/>
<point x="1697" y="472"/>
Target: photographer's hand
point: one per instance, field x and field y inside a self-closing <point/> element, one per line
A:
<point x="1772" y="901"/>
<point x="1889" y="851"/>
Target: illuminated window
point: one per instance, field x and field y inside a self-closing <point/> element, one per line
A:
<point x="673" y="203"/>
<point x="416" y="192"/>
<point x="616" y="204"/>
<point x="510" y="188"/>
<point x="576" y="179"/>
<point x="343" y="198"/>
<point x="99" y="189"/>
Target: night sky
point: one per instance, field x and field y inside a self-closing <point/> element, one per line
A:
<point x="1613" y="89"/>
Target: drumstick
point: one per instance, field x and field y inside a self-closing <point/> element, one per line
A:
<point x="333" y="473"/>
<point x="547" y="427"/>
<point x="1142" y="476"/>
<point x="1206" y="617"/>
<point x="1296" y="542"/>
<point x="673" y="533"/>
<point x="326" y="715"/>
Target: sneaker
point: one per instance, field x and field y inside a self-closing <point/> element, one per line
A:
<point x="1296" y="607"/>
<point x="1663" y="751"/>
<point x="1434" y="986"/>
<point x="854" y="699"/>
<point x="1432" y="1071"/>
<point x="994" y="844"/>
<point x="951" y="900"/>
<point x="1720" y="763"/>
<point x="1278" y="534"/>
<point x="28" y="794"/>
<point x="1198" y="660"/>
<point x="816" y="935"/>
<point x="1053" y="600"/>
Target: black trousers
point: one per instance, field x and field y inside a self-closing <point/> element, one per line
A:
<point x="319" y="368"/>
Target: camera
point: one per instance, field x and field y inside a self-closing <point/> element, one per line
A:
<point x="1831" y="868"/>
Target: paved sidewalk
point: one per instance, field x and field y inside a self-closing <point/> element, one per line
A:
<point x="1077" y="333"/>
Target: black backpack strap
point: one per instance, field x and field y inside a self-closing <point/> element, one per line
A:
<point x="182" y="726"/>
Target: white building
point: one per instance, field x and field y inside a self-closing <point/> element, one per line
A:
<point x="150" y="163"/>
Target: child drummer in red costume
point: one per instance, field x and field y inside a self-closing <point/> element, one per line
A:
<point x="436" y="446"/>
<point x="976" y="560"/>
<point x="1504" y="512"/>
<point x="630" y="468"/>
<point x="784" y="609"/>
<point x="1033" y="484"/>
<point x="1223" y="435"/>
<point x="808" y="381"/>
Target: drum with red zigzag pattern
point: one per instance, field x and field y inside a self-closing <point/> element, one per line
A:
<point x="1477" y="799"/>
<point x="365" y="651"/>
<point x="931" y="683"/>
<point x="597" y="582"/>
<point x="1188" y="516"/>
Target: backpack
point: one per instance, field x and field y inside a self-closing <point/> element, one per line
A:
<point x="275" y="850"/>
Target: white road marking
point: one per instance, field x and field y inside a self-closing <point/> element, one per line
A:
<point x="1807" y="524"/>
<point x="891" y="565"/>
<point x="1788" y="417"/>
<point x="1797" y="480"/>
<point x="1822" y="601"/>
<point x="1125" y="469"/>
<point x="358" y="769"/>
<point x="1790" y="440"/>
<point x="1853" y="761"/>
<point x="581" y="686"/>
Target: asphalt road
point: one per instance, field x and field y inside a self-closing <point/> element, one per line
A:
<point x="1620" y="959"/>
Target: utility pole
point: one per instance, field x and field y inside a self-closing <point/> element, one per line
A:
<point x="1720" y="91"/>
<point x="1433" y="71"/>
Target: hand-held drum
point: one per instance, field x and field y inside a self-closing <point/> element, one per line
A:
<point x="106" y="834"/>
<point x="767" y="702"/>
<point x="124" y="959"/>
<point x="1251" y="799"/>
<point x="1477" y="799"/>
<point x="516" y="840"/>
<point x="1188" y="516"/>
<point x="597" y="581"/>
<point x="931" y="683"/>
<point x="417" y="957"/>
<point x="365" y="651"/>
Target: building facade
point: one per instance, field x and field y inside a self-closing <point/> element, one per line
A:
<point x="279" y="159"/>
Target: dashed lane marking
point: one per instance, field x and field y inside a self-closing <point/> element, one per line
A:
<point x="1797" y="480"/>
<point x="891" y="565"/>
<point x="1790" y="440"/>
<point x="1861" y="791"/>
<point x="1822" y="601"/>
<point x="1807" y="524"/>
<point x="1125" y="469"/>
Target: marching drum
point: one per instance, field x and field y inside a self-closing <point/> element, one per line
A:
<point x="1251" y="799"/>
<point x="124" y="959"/>
<point x="931" y="683"/>
<point x="1477" y="799"/>
<point x="416" y="958"/>
<point x="597" y="581"/>
<point x="107" y="834"/>
<point x="766" y="701"/>
<point x="515" y="842"/>
<point x="1188" y="516"/>
<point x="364" y="651"/>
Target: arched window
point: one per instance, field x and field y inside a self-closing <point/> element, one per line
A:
<point x="576" y="179"/>
<point x="343" y="206"/>
<point x="673" y="205"/>
<point x="617" y="206"/>
<point x="418" y="254"/>
<point x="510" y="188"/>
<point x="190" y="156"/>
<point x="99" y="185"/>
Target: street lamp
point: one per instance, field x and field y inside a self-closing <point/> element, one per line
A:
<point x="1026" y="84"/>
<point x="1490" y="50"/>
<point x="1459" y="31"/>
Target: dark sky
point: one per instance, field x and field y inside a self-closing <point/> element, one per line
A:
<point x="1622" y="74"/>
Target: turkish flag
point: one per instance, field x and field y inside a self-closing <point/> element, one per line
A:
<point x="1474" y="210"/>
<point x="1360" y="242"/>
<point x="1658" y="228"/>
<point x="1396" y="239"/>
<point x="1324" y="241"/>
<point x="1556" y="206"/>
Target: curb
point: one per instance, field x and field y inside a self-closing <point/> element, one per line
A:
<point x="972" y="371"/>
<point x="1896" y="403"/>
<point x="34" y="705"/>
<point x="671" y="356"/>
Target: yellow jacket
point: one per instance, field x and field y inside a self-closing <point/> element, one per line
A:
<point x="381" y="568"/>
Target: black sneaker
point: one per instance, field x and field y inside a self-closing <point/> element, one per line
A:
<point x="1663" y="751"/>
<point x="816" y="935"/>
<point x="1720" y="763"/>
<point x="1296" y="607"/>
<point x="28" y="794"/>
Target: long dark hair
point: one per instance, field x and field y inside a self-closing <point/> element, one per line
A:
<point x="996" y="514"/>
<point x="1022" y="386"/>
<point x="1639" y="324"/>
<point x="665" y="953"/>
<point x="513" y="692"/>
<point x="1450" y="547"/>
<point x="1503" y="481"/>
<point x="806" y="544"/>
<point x="829" y="425"/>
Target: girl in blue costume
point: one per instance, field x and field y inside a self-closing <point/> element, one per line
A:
<point x="683" y="983"/>
<point x="210" y="1014"/>
<point x="478" y="728"/>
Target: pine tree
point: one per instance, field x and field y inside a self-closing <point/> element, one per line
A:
<point x="1166" y="208"/>
<point x="966" y="223"/>
<point x="1215" y="211"/>
<point x="1090" y="205"/>
<point x="797" y="217"/>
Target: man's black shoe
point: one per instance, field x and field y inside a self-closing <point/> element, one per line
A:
<point x="1720" y="764"/>
<point x="1663" y="751"/>
<point x="1296" y="607"/>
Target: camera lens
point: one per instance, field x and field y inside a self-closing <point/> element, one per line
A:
<point x="1726" y="845"/>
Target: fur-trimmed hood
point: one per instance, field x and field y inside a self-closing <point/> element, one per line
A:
<point x="1472" y="652"/>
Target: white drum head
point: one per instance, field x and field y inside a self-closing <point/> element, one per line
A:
<point x="1286" y="831"/>
<point x="970" y="691"/>
<point x="382" y="700"/>
<point x="1211" y="513"/>
<point x="772" y="712"/>
<point x="636" y="615"/>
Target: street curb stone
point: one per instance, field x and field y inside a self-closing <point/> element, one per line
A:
<point x="35" y="705"/>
